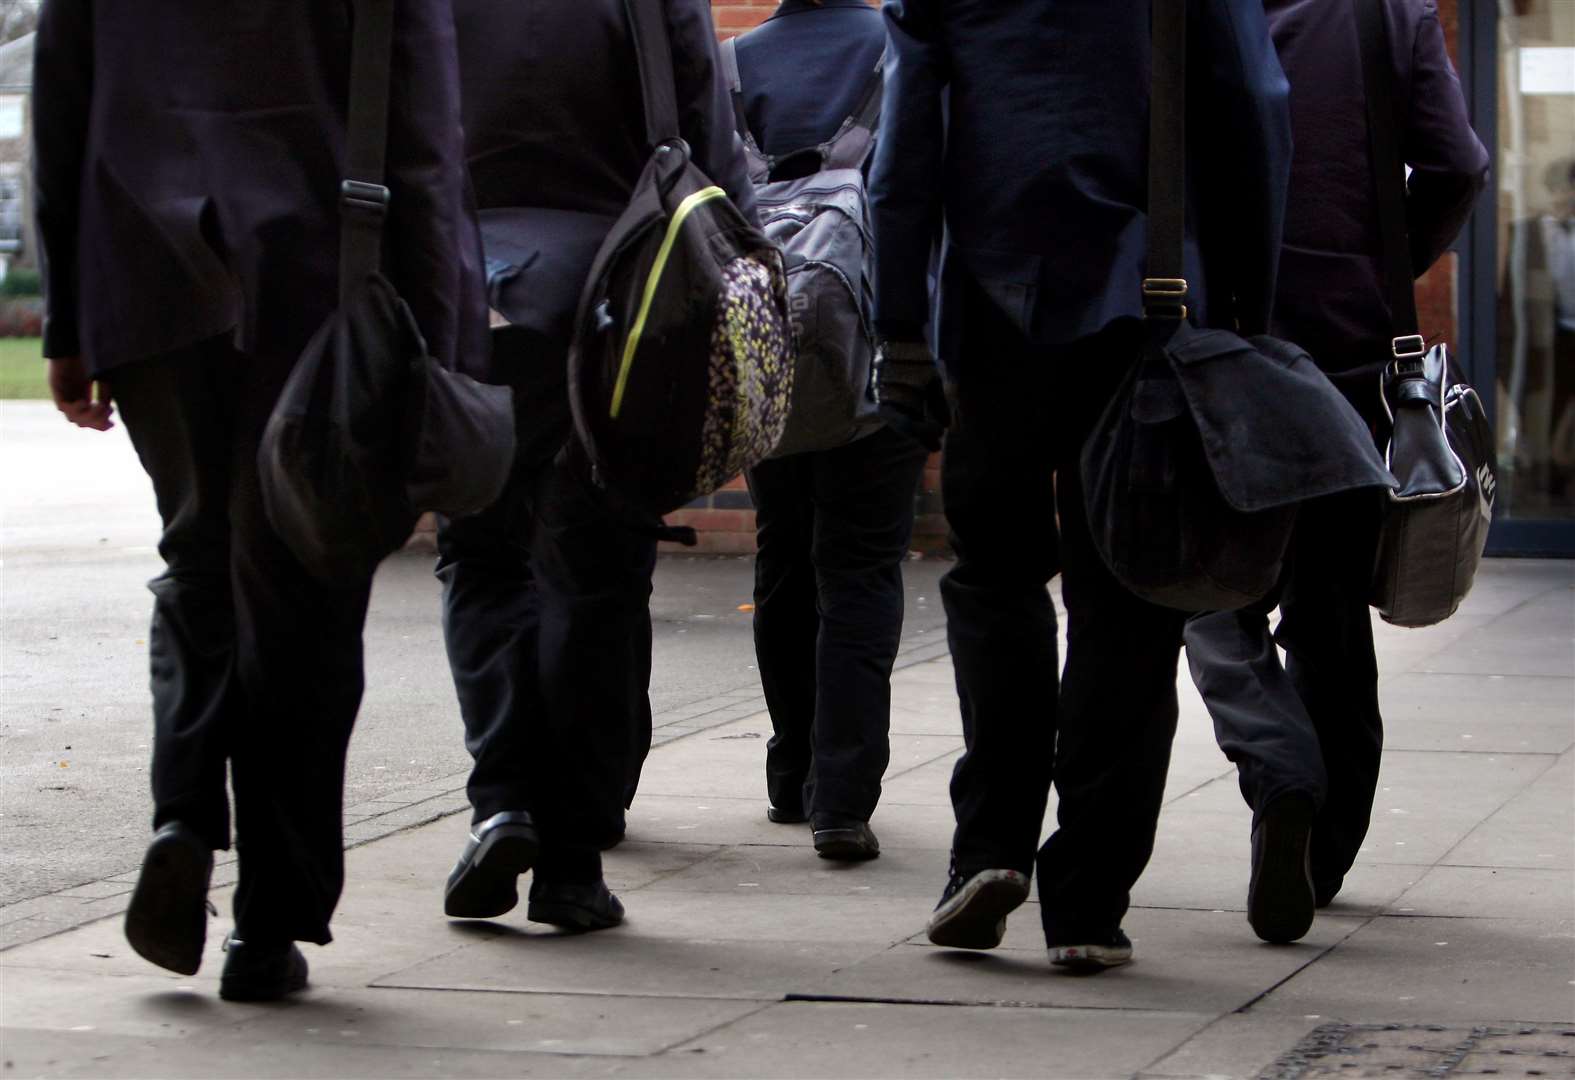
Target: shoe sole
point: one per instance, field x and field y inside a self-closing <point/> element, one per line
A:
<point x="976" y="917"/>
<point x="489" y="887"/>
<point x="844" y="845"/>
<point x="570" y="917"/>
<point x="1280" y="900"/>
<point x="167" y="920"/>
<point x="1090" y="959"/>
<point x="256" y="990"/>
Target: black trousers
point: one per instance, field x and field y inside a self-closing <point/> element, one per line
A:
<point x="255" y="665"/>
<point x="547" y="619"/>
<point x="1311" y="725"/>
<point x="1103" y="730"/>
<point x="833" y="529"/>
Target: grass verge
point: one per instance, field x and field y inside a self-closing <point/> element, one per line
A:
<point x="22" y="369"/>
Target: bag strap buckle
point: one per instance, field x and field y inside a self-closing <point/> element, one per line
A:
<point x="1165" y="298"/>
<point x="1408" y="346"/>
<point x="364" y="198"/>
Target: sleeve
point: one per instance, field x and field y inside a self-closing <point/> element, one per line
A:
<point x="1246" y="147"/>
<point x="62" y="96"/>
<point x="1449" y="165"/>
<point x="905" y="195"/>
<point x="433" y="240"/>
<point x="705" y="105"/>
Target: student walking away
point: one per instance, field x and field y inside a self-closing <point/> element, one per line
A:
<point x="546" y="597"/>
<point x="833" y="523"/>
<point x="1043" y="192"/>
<point x="190" y="254"/>
<point x="1306" y="735"/>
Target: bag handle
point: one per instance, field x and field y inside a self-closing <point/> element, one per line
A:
<point x="363" y="196"/>
<point x="658" y="84"/>
<point x="1165" y="284"/>
<point x="1388" y="179"/>
<point x="760" y="163"/>
<point x="848" y="148"/>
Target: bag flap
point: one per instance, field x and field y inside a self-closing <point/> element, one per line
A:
<point x="1275" y="430"/>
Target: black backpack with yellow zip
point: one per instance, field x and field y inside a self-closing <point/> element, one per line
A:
<point x="681" y="367"/>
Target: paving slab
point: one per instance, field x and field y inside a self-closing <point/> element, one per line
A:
<point x="1447" y="711"/>
<point x="1482" y="892"/>
<point x="1440" y="970"/>
<point x="1534" y="829"/>
<point x="894" y="1040"/>
<point x="1182" y="960"/>
<point x="1238" y="1044"/>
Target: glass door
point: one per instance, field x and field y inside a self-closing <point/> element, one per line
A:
<point x="1533" y="272"/>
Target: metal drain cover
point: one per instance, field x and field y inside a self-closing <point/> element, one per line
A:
<point x="1427" y="1052"/>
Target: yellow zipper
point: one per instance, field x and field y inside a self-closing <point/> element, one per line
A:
<point x="685" y="208"/>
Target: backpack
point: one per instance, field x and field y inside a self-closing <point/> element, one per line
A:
<point x="821" y="223"/>
<point x="681" y="367"/>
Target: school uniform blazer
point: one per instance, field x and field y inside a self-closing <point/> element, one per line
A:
<point x="1331" y="291"/>
<point x="805" y="69"/>
<point x="555" y="136"/>
<point x="188" y="159"/>
<point x="1024" y="125"/>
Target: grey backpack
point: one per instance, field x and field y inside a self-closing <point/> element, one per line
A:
<point x="820" y="220"/>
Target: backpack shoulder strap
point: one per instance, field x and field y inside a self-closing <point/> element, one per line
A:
<point x="654" y="52"/>
<point x="363" y="195"/>
<point x="760" y="163"/>
<point x="1388" y="176"/>
<point x="851" y="145"/>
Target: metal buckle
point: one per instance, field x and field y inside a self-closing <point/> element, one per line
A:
<point x="1164" y="296"/>
<point x="358" y="195"/>
<point x="1408" y="345"/>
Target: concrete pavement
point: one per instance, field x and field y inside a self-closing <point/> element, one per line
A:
<point x="1451" y="950"/>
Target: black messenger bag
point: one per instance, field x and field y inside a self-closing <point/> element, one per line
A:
<point x="681" y="367"/>
<point x="370" y="430"/>
<point x="1441" y="446"/>
<point x="1193" y="475"/>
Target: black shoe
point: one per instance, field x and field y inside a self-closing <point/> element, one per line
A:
<point x="844" y="839"/>
<point x="574" y="906"/>
<point x="485" y="882"/>
<point x="1280" y="893"/>
<point x="167" y="922"/>
<point x="261" y="971"/>
<point x="973" y="909"/>
<point x="1093" y="954"/>
<point x="1324" y="892"/>
<point x="786" y="815"/>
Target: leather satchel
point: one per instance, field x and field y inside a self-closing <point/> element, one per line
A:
<point x="1441" y="447"/>
<point x="370" y="429"/>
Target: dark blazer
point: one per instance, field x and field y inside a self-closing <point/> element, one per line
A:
<point x="1331" y="297"/>
<point x="188" y="160"/>
<point x="1038" y="161"/>
<point x="805" y="69"/>
<point x="555" y="128"/>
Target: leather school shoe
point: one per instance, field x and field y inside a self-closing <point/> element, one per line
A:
<point x="786" y="815"/>
<point x="167" y="921"/>
<point x="844" y="839"/>
<point x="1280" y="892"/>
<point x="973" y="908"/>
<point x="485" y="882"/>
<point x="1324" y="892"/>
<point x="261" y="971"/>
<point x="573" y="905"/>
<point x="1093" y="955"/>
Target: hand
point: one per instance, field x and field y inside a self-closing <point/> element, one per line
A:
<point x="81" y="400"/>
<point x="908" y="392"/>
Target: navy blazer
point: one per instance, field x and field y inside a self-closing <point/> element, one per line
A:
<point x="805" y="69"/>
<point x="1024" y="124"/>
<point x="188" y="159"/>
<point x="1331" y="294"/>
<point x="555" y="136"/>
